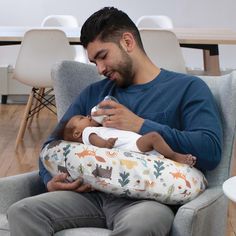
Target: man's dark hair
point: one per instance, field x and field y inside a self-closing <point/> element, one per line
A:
<point x="108" y="25"/>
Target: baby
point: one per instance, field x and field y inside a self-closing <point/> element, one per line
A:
<point x="85" y="130"/>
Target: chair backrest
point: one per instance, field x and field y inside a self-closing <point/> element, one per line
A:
<point x="224" y="91"/>
<point x="66" y="21"/>
<point x="163" y="48"/>
<point x="60" y="20"/>
<point x="69" y="79"/>
<point x="40" y="49"/>
<point x="155" y="21"/>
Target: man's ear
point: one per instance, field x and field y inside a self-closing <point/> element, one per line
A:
<point x="77" y="134"/>
<point x="127" y="41"/>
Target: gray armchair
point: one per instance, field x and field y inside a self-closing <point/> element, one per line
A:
<point x="206" y="215"/>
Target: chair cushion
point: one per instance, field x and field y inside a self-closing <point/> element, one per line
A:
<point x="4" y="230"/>
<point x="84" y="232"/>
<point x="4" y="227"/>
<point x="6" y="233"/>
<point x="125" y="173"/>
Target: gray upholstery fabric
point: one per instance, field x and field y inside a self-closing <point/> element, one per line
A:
<point x="3" y="223"/>
<point x="14" y="188"/>
<point x="73" y="79"/>
<point x="4" y="232"/>
<point x="224" y="91"/>
<point x="206" y="215"/>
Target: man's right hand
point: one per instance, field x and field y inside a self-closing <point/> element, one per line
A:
<point x="59" y="182"/>
<point x="118" y="116"/>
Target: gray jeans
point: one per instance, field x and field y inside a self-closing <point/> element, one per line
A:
<point x="51" y="212"/>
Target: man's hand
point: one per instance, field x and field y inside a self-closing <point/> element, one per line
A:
<point x="119" y="117"/>
<point x="59" y="182"/>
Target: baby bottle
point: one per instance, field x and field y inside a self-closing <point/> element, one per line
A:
<point x="99" y="119"/>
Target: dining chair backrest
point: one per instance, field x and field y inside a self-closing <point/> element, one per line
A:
<point x="155" y="21"/>
<point x="40" y="49"/>
<point x="163" y="48"/>
<point x="60" y="20"/>
<point x="66" y="21"/>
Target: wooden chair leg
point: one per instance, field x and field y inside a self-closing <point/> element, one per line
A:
<point x="23" y="124"/>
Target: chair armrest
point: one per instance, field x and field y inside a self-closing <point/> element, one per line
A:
<point x="195" y="217"/>
<point x="15" y="188"/>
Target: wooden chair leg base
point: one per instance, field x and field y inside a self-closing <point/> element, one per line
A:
<point x="24" y="120"/>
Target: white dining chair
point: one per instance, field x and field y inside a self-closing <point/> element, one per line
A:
<point x="39" y="50"/>
<point x="60" y="20"/>
<point x="229" y="188"/>
<point x="155" y="21"/>
<point x="163" y="48"/>
<point x="69" y="21"/>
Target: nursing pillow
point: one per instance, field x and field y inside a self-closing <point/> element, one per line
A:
<point x="125" y="173"/>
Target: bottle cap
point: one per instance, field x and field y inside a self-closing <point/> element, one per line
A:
<point x="99" y="119"/>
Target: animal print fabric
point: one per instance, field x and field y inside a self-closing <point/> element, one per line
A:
<point x="125" y="173"/>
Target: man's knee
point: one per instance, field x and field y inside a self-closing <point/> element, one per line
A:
<point x="25" y="218"/>
<point x="146" y="218"/>
<point x="19" y="211"/>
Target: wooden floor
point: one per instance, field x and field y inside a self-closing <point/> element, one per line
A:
<point x="26" y="157"/>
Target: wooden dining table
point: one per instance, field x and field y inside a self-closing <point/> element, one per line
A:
<point x="208" y="40"/>
<point x="10" y="35"/>
<point x="205" y="39"/>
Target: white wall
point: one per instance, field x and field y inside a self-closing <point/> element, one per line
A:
<point x="184" y="13"/>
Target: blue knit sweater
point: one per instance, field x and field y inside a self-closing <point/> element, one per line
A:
<point x="179" y="107"/>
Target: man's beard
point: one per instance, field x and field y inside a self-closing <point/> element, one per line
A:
<point x="124" y="69"/>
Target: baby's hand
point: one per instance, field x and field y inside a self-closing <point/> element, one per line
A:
<point x="110" y="142"/>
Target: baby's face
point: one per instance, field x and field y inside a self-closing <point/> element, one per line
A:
<point x="81" y="122"/>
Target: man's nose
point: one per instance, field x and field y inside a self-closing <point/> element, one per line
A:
<point x="101" y="68"/>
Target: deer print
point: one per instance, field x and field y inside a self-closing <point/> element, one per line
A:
<point x="102" y="172"/>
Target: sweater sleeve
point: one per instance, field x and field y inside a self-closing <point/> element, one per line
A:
<point x="200" y="131"/>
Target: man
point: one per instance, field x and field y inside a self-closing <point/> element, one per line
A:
<point x="179" y="107"/>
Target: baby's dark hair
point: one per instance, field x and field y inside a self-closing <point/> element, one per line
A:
<point x="68" y="131"/>
<point x="108" y="25"/>
<point x="64" y="132"/>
